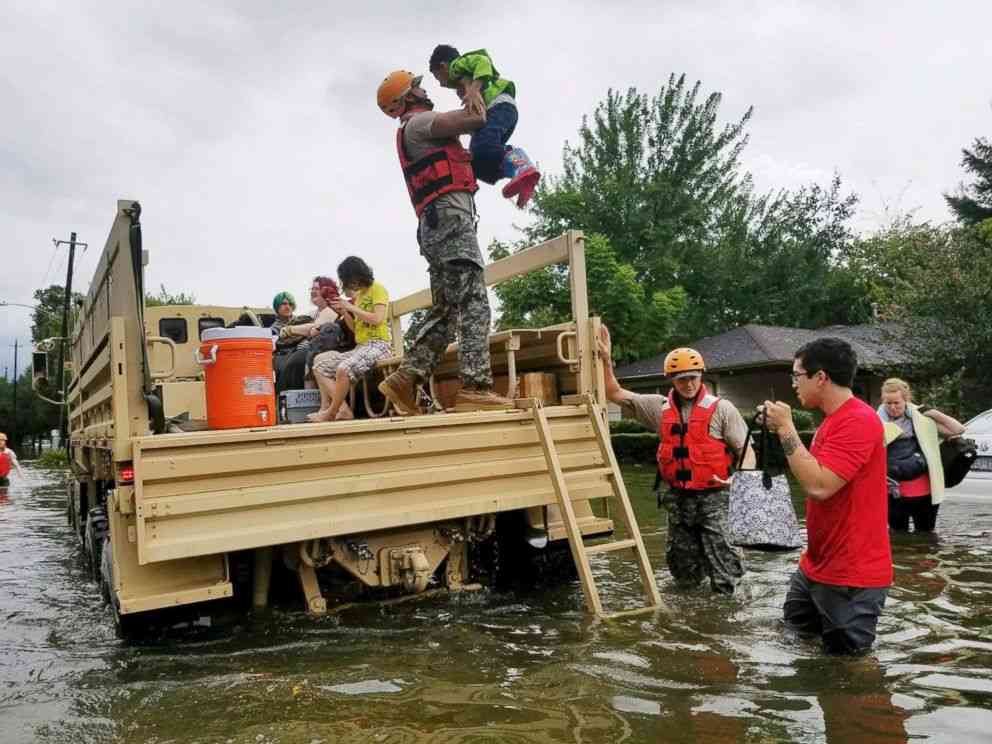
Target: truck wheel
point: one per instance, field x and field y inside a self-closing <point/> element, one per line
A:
<point x="106" y="574"/>
<point x="96" y="531"/>
<point x="127" y="627"/>
<point x="79" y="511"/>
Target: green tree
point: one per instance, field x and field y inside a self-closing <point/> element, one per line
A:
<point x="973" y="203"/>
<point x="165" y="298"/>
<point x="660" y="179"/>
<point x="35" y="418"/>
<point x="47" y="323"/>
<point x="777" y="260"/>
<point x="936" y="283"/>
<point x="652" y="174"/>
<point x="46" y="319"/>
<point x="637" y="319"/>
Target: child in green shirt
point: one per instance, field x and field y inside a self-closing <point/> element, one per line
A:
<point x="482" y="89"/>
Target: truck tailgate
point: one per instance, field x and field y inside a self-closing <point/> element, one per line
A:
<point x="213" y="492"/>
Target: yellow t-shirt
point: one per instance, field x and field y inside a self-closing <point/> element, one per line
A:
<point x="367" y="299"/>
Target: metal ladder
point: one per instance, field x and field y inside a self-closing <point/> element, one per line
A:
<point x="580" y="552"/>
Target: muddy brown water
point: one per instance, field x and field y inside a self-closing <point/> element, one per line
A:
<point x="499" y="667"/>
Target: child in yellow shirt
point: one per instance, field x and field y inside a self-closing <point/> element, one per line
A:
<point x="365" y="315"/>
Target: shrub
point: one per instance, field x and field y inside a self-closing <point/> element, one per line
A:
<point x="641" y="447"/>
<point x="53" y="458"/>
<point x="803" y="419"/>
<point x="627" y="426"/>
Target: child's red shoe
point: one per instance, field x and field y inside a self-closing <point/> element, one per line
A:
<point x="523" y="175"/>
<point x="527" y="187"/>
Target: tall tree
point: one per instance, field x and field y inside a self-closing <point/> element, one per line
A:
<point x="936" y="282"/>
<point x="34" y="416"/>
<point x="652" y="174"/>
<point x="638" y="319"/>
<point x="973" y="203"/>
<point x="659" y="178"/>
<point x="777" y="260"/>
<point x="46" y="319"/>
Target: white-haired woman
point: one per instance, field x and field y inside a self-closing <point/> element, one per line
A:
<point x="915" y="471"/>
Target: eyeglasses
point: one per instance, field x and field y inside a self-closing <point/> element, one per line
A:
<point x="796" y="375"/>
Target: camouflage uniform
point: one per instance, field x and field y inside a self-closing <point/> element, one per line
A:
<point x="697" y="540"/>
<point x="698" y="546"/>
<point x="448" y="242"/>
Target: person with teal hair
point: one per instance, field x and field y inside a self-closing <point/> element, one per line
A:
<point x="281" y="299"/>
<point x="285" y="344"/>
<point x="285" y="305"/>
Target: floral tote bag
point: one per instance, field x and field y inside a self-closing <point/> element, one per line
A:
<point x="761" y="515"/>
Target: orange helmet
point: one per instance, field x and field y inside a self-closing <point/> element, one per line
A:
<point x="393" y="90"/>
<point x="682" y="360"/>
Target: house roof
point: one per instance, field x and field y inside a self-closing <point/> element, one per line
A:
<point x="760" y="346"/>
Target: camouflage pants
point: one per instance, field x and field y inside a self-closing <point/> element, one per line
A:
<point x="698" y="546"/>
<point x="460" y="303"/>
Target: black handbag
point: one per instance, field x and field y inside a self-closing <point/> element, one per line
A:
<point x="957" y="455"/>
<point x="333" y="336"/>
<point x="761" y="515"/>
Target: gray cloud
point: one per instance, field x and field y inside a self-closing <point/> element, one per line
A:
<point x="249" y="130"/>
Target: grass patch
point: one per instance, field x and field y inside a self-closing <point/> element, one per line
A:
<point x="53" y="458"/>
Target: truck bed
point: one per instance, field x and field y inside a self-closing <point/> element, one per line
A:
<point x="212" y="492"/>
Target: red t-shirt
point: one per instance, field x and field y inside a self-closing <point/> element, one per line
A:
<point x="848" y="533"/>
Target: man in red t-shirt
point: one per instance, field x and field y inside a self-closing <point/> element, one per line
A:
<point x="843" y="577"/>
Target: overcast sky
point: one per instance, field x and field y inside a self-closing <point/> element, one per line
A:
<point x="250" y="134"/>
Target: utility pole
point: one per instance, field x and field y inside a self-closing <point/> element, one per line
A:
<point x="66" y="331"/>
<point x="14" y="434"/>
<point x="65" y="313"/>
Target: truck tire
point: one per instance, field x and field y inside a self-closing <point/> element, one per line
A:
<point x="106" y="574"/>
<point x="127" y="627"/>
<point x="96" y="532"/>
<point x="78" y="508"/>
<point x="507" y="560"/>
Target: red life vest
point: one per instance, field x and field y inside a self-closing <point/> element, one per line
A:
<point x="440" y="171"/>
<point x="4" y="464"/>
<point x="688" y="455"/>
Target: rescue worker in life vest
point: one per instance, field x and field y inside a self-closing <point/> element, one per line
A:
<point x="441" y="184"/>
<point x="701" y="436"/>
<point x="8" y="460"/>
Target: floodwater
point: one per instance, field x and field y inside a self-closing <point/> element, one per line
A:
<point x="491" y="667"/>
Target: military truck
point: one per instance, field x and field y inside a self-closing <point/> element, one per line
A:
<point x="171" y="513"/>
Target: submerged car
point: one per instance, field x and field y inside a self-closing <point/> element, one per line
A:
<point x="980" y="430"/>
<point x="977" y="485"/>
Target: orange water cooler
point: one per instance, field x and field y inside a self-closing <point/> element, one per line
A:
<point x="237" y="365"/>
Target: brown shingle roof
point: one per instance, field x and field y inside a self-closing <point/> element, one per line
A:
<point x="752" y="345"/>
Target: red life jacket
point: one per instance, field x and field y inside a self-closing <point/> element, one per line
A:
<point x="440" y="171"/>
<point x="4" y="464"/>
<point x="688" y="455"/>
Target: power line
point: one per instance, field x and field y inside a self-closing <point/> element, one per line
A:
<point x="49" y="269"/>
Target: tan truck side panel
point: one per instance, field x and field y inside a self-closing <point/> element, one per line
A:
<point x="212" y="492"/>
<point x="157" y="585"/>
<point x="108" y="339"/>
